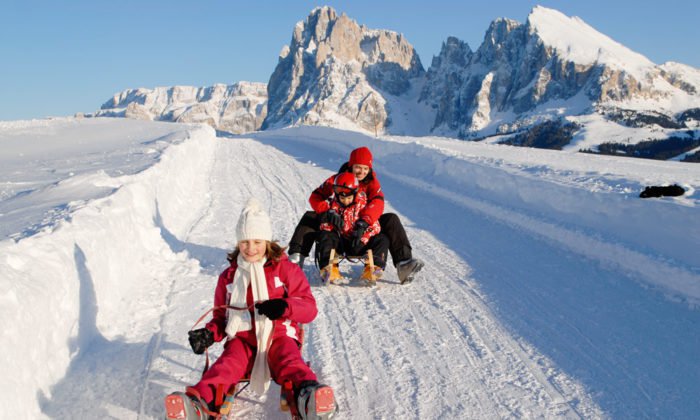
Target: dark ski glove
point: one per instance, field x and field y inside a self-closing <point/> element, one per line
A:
<point x="273" y="308"/>
<point x="332" y="217"/>
<point x="356" y="237"/>
<point x="200" y="340"/>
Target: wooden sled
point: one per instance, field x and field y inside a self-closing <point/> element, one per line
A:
<point x="287" y="400"/>
<point x="368" y="259"/>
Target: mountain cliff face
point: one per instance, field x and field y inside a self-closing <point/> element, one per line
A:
<point x="236" y="108"/>
<point x="551" y="66"/>
<point x="521" y="68"/>
<point x="336" y="72"/>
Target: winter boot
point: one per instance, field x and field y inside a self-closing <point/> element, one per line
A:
<point x="371" y="275"/>
<point x="179" y="405"/>
<point x="406" y="270"/>
<point x="315" y="401"/>
<point x="297" y="259"/>
<point x="330" y="274"/>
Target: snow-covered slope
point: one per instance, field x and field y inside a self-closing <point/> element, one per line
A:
<point x="551" y="289"/>
<point x="87" y="201"/>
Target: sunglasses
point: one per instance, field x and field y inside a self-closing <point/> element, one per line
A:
<point x="344" y="192"/>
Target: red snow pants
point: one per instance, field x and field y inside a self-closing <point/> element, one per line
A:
<point x="237" y="359"/>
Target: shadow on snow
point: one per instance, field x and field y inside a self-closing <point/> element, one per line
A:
<point x="635" y="351"/>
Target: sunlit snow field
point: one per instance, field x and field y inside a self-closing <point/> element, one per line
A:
<point x="550" y="290"/>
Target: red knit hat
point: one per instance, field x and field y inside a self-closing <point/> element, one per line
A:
<point x="361" y="156"/>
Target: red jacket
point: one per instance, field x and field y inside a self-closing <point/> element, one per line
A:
<point x="350" y="215"/>
<point x="321" y="197"/>
<point x="284" y="280"/>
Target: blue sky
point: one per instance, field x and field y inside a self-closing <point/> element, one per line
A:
<point x="62" y="57"/>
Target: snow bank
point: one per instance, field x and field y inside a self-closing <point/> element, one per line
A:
<point x="72" y="281"/>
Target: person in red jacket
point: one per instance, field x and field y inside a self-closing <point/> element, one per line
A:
<point x="260" y="302"/>
<point x="306" y="231"/>
<point x="340" y="233"/>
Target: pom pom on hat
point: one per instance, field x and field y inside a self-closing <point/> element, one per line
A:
<point x="361" y="156"/>
<point x="254" y="222"/>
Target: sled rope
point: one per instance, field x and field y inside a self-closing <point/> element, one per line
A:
<point x="235" y="308"/>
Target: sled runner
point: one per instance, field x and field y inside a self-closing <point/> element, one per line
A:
<point x="179" y="405"/>
<point x="330" y="274"/>
<point x="324" y="401"/>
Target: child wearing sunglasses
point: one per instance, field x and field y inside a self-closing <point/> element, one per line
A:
<point x="344" y="229"/>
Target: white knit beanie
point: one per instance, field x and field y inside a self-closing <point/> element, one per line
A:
<point x="254" y="222"/>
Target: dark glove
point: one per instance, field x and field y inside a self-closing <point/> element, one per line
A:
<point x="356" y="237"/>
<point x="332" y="217"/>
<point x="200" y="340"/>
<point x="273" y="308"/>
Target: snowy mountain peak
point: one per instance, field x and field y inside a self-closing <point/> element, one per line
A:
<point x="576" y="41"/>
<point x="552" y="68"/>
<point x="499" y="29"/>
<point x="317" y="26"/>
<point x="455" y="52"/>
<point x="322" y="10"/>
<point x="336" y="72"/>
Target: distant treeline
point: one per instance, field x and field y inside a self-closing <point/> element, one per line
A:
<point x="556" y="134"/>
<point x="652" y="149"/>
<point x="638" y="119"/>
<point x="548" y="135"/>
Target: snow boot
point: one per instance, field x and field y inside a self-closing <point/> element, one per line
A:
<point x="406" y="270"/>
<point x="297" y="259"/>
<point x="315" y="401"/>
<point x="330" y="274"/>
<point x="179" y="405"/>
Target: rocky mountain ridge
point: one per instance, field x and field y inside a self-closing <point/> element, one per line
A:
<point x="553" y="70"/>
<point x="521" y="67"/>
<point x="335" y="70"/>
<point x="237" y="108"/>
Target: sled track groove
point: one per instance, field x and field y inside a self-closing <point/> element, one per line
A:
<point x="329" y="341"/>
<point x="493" y="351"/>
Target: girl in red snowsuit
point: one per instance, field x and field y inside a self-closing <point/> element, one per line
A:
<point x="262" y="339"/>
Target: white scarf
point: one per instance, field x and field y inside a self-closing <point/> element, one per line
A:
<point x="252" y="274"/>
